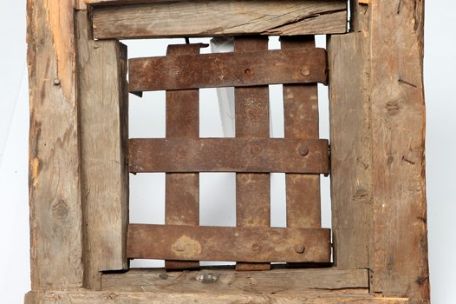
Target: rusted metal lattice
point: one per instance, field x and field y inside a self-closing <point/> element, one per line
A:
<point x="253" y="244"/>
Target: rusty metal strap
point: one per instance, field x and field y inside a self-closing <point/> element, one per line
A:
<point x="246" y="244"/>
<point x="229" y="155"/>
<point x="227" y="69"/>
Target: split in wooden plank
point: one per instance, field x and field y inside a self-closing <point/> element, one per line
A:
<point x="114" y="297"/>
<point x="56" y="218"/>
<point x="215" y="280"/>
<point x="301" y="122"/>
<point x="229" y="155"/>
<point x="253" y="193"/>
<point x="103" y="110"/>
<point x="247" y="68"/>
<point x="182" y="189"/>
<point x="166" y="19"/>
<point x="245" y="244"/>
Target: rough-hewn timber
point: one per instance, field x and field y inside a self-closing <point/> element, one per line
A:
<point x="55" y="198"/>
<point x="103" y="111"/>
<point x="152" y="19"/>
<point x="217" y="281"/>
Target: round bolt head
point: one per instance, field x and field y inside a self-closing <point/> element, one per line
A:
<point x="300" y="249"/>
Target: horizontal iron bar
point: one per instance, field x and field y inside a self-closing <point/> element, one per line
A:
<point x="245" y="244"/>
<point x="229" y="155"/>
<point x="227" y="70"/>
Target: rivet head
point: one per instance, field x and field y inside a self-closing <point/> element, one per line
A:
<point x="300" y="249"/>
<point x="305" y="71"/>
<point x="56" y="82"/>
<point x="248" y="72"/>
<point x="303" y="151"/>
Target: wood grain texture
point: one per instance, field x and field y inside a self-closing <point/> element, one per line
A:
<point x="399" y="251"/>
<point x="226" y="281"/>
<point x="252" y="67"/>
<point x="351" y="144"/>
<point x="54" y="181"/>
<point x="103" y="110"/>
<point x="182" y="190"/>
<point x="229" y="155"/>
<point x="383" y="186"/>
<point x="161" y="19"/>
<point x="84" y="297"/>
<point x="301" y="122"/>
<point x="244" y="244"/>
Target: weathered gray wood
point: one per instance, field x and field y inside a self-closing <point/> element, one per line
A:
<point x="253" y="193"/>
<point x="117" y="19"/>
<point x="182" y="190"/>
<point x="219" y="281"/>
<point x="301" y="122"/>
<point x="103" y="109"/>
<point x="378" y="160"/>
<point x="244" y="244"/>
<point x="351" y="144"/>
<point x="84" y="297"/>
<point x="55" y="199"/>
<point x="229" y="155"/>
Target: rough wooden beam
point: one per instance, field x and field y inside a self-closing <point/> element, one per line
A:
<point x="103" y="109"/>
<point x="351" y="144"/>
<point x="399" y="252"/>
<point x="153" y="19"/>
<point x="229" y="155"/>
<point x="378" y="160"/>
<point x="244" y="244"/>
<point x="252" y="67"/>
<point x="219" y="281"/>
<point x="85" y="297"/>
<point x="55" y="199"/>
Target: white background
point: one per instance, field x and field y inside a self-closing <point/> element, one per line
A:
<point x="147" y="200"/>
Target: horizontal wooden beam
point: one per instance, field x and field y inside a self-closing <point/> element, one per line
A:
<point x="227" y="70"/>
<point x="114" y="297"/>
<point x="215" y="280"/>
<point x="244" y="244"/>
<point x="124" y="19"/>
<point x="229" y="155"/>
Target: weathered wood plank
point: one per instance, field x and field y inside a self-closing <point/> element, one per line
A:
<point x="226" y="281"/>
<point x="55" y="199"/>
<point x="229" y="155"/>
<point x="103" y="109"/>
<point x="244" y="244"/>
<point x="161" y="19"/>
<point x="399" y="251"/>
<point x="351" y="144"/>
<point x="182" y="190"/>
<point x="253" y="194"/>
<point x="380" y="183"/>
<point x="84" y="297"/>
<point x="301" y="122"/>
<point x="227" y="69"/>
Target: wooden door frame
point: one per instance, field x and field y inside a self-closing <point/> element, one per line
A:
<point x="377" y="153"/>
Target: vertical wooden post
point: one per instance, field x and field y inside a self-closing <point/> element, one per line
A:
<point x="182" y="189"/>
<point x="55" y="200"/>
<point x="379" y="202"/>
<point x="252" y="120"/>
<point x="103" y="111"/>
